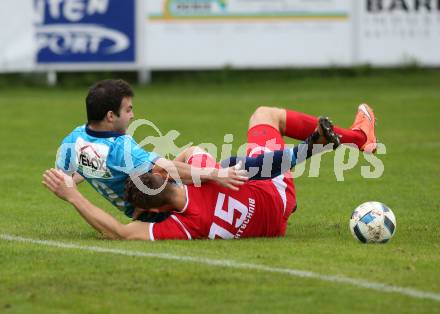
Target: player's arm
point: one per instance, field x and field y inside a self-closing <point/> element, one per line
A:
<point x="64" y="187"/>
<point x="179" y="171"/>
<point x="186" y="154"/>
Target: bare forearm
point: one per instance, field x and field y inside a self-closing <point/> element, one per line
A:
<point x="64" y="187"/>
<point x="180" y="171"/>
<point x="231" y="177"/>
<point x="97" y="218"/>
<point x="190" y="174"/>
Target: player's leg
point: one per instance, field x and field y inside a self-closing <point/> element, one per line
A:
<point x="269" y="123"/>
<point x="300" y="126"/>
<point x="281" y="161"/>
<point x="275" y="117"/>
<point x="265" y="136"/>
<point x="267" y="120"/>
<point x="265" y="131"/>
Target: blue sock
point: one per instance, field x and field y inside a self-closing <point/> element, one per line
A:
<point x="272" y="164"/>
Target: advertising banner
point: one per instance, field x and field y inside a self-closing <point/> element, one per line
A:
<point x="247" y="9"/>
<point x="247" y="33"/>
<point x="396" y="32"/>
<point x="85" y="31"/>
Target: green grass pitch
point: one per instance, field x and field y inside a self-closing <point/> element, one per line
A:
<point x="41" y="279"/>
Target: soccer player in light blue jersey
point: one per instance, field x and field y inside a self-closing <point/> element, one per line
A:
<point x="101" y="153"/>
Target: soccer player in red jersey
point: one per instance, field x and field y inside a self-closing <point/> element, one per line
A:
<point x="258" y="209"/>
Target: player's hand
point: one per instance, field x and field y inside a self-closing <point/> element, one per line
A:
<point x="60" y="184"/>
<point x="232" y="177"/>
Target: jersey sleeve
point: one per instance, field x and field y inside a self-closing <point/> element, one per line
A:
<point x="173" y="228"/>
<point x="65" y="156"/>
<point x="134" y="158"/>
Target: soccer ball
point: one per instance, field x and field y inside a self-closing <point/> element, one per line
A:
<point x="373" y="222"/>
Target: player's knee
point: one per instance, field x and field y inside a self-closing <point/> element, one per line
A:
<point x="266" y="115"/>
<point x="263" y="111"/>
<point x="260" y="113"/>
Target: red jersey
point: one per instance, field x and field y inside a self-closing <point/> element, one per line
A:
<point x="258" y="209"/>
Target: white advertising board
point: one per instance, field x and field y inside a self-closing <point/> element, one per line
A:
<point x="17" y="42"/>
<point x="185" y="34"/>
<point x="395" y="32"/>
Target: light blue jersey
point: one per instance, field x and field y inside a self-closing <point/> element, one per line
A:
<point x="104" y="159"/>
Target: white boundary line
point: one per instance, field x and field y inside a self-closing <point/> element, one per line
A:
<point x="238" y="265"/>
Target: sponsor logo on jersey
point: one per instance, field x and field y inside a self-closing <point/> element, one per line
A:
<point x="92" y="159"/>
<point x="247" y="220"/>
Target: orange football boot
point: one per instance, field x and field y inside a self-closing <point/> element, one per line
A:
<point x="365" y="121"/>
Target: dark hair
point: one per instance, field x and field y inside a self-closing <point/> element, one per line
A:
<point x="106" y="96"/>
<point x="144" y="200"/>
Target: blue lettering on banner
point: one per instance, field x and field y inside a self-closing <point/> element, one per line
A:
<point x="85" y="31"/>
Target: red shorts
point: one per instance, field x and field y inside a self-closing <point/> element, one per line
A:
<point x="263" y="138"/>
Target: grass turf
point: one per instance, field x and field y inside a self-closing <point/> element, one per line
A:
<point x="44" y="279"/>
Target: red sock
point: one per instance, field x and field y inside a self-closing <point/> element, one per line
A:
<point x="300" y="126"/>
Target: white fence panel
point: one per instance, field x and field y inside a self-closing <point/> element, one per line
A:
<point x="65" y="35"/>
